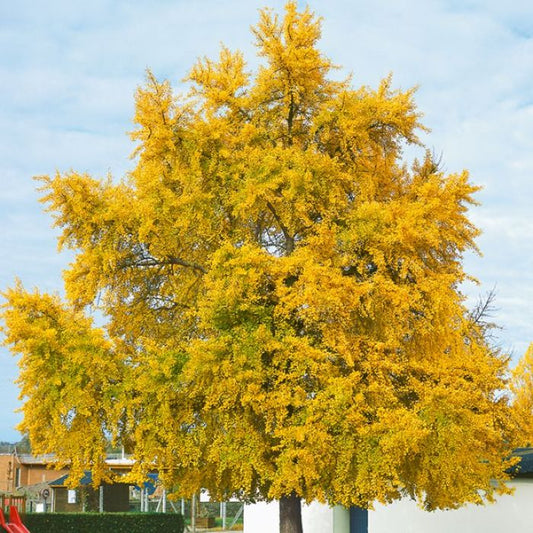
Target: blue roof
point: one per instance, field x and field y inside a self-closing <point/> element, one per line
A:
<point x="525" y="466"/>
<point x="61" y="481"/>
<point x="149" y="485"/>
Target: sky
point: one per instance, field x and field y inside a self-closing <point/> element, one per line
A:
<point x="69" y="70"/>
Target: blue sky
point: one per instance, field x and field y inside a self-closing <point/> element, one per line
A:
<point x="69" y="70"/>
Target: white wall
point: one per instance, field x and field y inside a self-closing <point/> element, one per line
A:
<point x="509" y="514"/>
<point x="261" y="518"/>
<point x="316" y="518"/>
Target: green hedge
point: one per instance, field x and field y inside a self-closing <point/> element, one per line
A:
<point x="103" y="522"/>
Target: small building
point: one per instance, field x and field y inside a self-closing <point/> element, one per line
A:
<point x="108" y="497"/>
<point x="105" y="498"/>
<point x="509" y="513"/>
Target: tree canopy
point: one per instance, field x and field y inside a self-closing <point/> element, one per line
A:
<point x="281" y="293"/>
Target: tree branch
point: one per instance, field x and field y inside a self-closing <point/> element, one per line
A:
<point x="289" y="240"/>
<point x="171" y="260"/>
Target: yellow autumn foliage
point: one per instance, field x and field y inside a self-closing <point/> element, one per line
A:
<point x="522" y="387"/>
<point x="281" y="293"/>
<point x="68" y="378"/>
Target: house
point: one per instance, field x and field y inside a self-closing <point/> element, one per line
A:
<point x="508" y="513"/>
<point x="108" y="497"/>
<point x="105" y="498"/>
<point x="33" y="476"/>
<point x="25" y="470"/>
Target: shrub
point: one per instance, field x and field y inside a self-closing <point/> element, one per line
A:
<point x="104" y="522"/>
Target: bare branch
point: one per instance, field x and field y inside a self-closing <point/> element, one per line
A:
<point x="289" y="240"/>
<point x="171" y="260"/>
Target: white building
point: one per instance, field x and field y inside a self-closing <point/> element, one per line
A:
<point x="509" y="514"/>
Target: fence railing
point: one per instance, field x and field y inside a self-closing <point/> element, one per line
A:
<point x="7" y="500"/>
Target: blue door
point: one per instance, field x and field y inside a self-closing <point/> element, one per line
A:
<point x="358" y="520"/>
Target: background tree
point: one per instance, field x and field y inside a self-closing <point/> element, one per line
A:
<point x="22" y="446"/>
<point x="281" y="293"/>
<point x="522" y="387"/>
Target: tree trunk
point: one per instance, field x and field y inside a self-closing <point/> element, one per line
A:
<point x="290" y="514"/>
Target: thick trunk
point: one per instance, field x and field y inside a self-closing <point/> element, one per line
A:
<point x="290" y="514"/>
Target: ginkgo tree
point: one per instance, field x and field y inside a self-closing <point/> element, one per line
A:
<point x="282" y="297"/>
